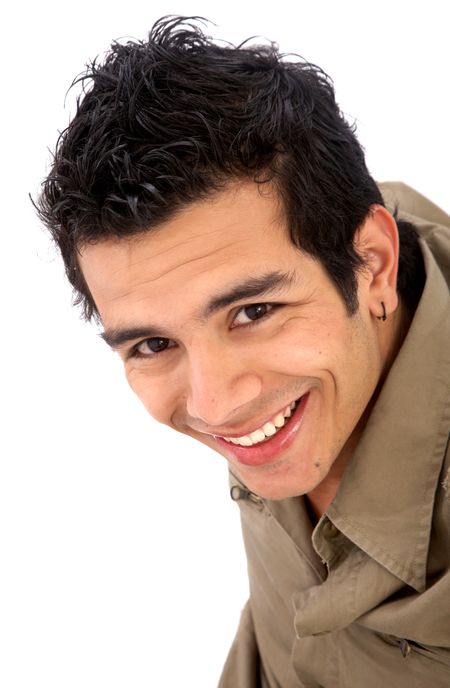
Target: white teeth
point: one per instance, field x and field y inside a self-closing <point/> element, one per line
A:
<point x="267" y="430"/>
<point x="278" y="421"/>
<point x="257" y="436"/>
<point x="245" y="441"/>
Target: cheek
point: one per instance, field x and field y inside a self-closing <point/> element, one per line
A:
<point x="309" y="347"/>
<point x="337" y="353"/>
<point x="157" y="395"/>
<point x="359" y="370"/>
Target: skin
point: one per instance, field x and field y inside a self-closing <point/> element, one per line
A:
<point x="223" y="373"/>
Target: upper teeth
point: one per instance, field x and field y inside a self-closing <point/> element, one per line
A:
<point x="266" y="430"/>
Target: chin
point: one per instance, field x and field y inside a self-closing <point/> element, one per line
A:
<point x="275" y="483"/>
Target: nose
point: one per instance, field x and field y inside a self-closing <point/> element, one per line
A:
<point x="221" y="382"/>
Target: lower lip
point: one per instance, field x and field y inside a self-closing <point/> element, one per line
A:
<point x="269" y="451"/>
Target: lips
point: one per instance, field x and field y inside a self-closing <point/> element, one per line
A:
<point x="252" y="451"/>
<point x="267" y="430"/>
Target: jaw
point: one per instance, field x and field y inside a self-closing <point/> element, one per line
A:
<point x="288" y="464"/>
<point x="310" y="461"/>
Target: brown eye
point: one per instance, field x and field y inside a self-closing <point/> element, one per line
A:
<point x="155" y="345"/>
<point x="248" y="314"/>
<point x="256" y="311"/>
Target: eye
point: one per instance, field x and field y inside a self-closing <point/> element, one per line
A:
<point x="151" y="347"/>
<point x="248" y="314"/>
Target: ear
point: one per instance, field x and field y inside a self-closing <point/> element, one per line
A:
<point x="378" y="243"/>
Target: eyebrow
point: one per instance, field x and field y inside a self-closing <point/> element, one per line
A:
<point x="254" y="287"/>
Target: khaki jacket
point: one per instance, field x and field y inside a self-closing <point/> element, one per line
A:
<point x="363" y="599"/>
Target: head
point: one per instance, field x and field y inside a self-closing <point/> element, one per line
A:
<point x="171" y="137"/>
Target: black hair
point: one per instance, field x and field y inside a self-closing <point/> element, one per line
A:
<point x="169" y="120"/>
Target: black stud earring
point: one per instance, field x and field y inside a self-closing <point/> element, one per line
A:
<point x="384" y="316"/>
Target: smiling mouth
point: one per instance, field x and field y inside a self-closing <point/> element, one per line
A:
<point x="266" y="431"/>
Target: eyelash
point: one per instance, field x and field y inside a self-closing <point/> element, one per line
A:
<point x="135" y="353"/>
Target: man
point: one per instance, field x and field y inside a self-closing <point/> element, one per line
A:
<point x="214" y="212"/>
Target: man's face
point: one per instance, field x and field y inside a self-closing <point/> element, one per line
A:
<point x="232" y="335"/>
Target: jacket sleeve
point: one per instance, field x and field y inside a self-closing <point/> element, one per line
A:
<point x="242" y="668"/>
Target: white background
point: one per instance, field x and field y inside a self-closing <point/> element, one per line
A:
<point x="121" y="560"/>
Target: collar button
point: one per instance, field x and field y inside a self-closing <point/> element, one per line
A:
<point x="237" y="493"/>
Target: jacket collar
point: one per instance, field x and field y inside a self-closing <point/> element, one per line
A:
<point x="385" y="501"/>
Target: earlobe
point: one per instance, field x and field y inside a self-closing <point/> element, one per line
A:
<point x="378" y="243"/>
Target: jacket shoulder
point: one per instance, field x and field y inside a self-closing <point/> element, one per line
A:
<point x="411" y="202"/>
<point x="432" y="223"/>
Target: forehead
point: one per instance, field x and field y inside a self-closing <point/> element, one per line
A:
<point x="216" y="239"/>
